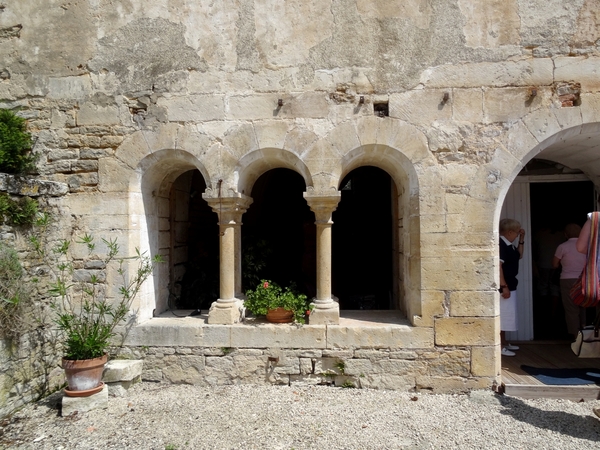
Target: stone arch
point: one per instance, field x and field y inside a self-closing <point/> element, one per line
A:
<point x="156" y="174"/>
<point x="255" y="163"/>
<point x="406" y="280"/>
<point x="569" y="136"/>
<point x="526" y="141"/>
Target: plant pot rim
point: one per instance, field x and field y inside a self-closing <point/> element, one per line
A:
<point x="80" y="361"/>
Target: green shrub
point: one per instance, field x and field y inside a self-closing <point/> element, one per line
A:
<point x="17" y="212"/>
<point x="15" y="144"/>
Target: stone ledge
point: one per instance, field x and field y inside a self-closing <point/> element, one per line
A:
<point x="357" y="329"/>
<point x="24" y="185"/>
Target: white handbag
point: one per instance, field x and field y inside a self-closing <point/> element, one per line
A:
<point x="587" y="344"/>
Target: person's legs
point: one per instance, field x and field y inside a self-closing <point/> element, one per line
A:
<point x="508" y="320"/>
<point x="572" y="311"/>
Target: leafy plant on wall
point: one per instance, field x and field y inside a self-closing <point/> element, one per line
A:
<point x="15" y="144"/>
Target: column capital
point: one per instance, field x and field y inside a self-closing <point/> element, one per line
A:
<point x="230" y="206"/>
<point x="323" y="204"/>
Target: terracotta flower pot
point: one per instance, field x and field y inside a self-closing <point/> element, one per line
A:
<point x="84" y="375"/>
<point x="280" y="315"/>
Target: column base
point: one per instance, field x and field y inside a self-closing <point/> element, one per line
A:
<point x="327" y="315"/>
<point x="226" y="313"/>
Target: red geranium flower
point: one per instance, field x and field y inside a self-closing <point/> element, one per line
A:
<point x="265" y="285"/>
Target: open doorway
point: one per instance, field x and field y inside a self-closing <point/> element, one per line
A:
<point x="362" y="247"/>
<point x="553" y="206"/>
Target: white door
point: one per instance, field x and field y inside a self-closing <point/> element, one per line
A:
<point x="516" y="206"/>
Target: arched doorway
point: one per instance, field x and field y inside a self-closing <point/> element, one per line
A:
<point x="194" y="245"/>
<point x="545" y="197"/>
<point x="278" y="234"/>
<point x="363" y="245"/>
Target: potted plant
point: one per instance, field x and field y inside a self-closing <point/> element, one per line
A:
<point x="276" y="304"/>
<point x="85" y="318"/>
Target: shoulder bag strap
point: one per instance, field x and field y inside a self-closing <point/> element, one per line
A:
<point x="590" y="274"/>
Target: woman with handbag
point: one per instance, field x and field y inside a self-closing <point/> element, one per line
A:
<point x="510" y="255"/>
<point x="589" y="243"/>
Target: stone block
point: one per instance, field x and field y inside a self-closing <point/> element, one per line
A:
<point x="120" y="388"/>
<point x="306" y="366"/>
<point x="542" y="124"/>
<point x="306" y="380"/>
<point x="185" y="370"/>
<point x="91" y="114"/>
<point x="279" y="336"/>
<point x="486" y="361"/>
<point x="452" y="385"/>
<point x="520" y="141"/>
<point x="81" y="405"/>
<point x="240" y="140"/>
<point x="582" y="69"/>
<point x="472" y="270"/>
<point x="329" y="316"/>
<point x="312" y="105"/>
<point x="114" y="176"/>
<point x="526" y="72"/>
<point x="122" y="370"/>
<point x="507" y="104"/>
<point x="372" y="355"/>
<point x="387" y="381"/>
<point x="271" y="134"/>
<point x="420" y="107"/>
<point x="590" y="107"/>
<point x="467" y="105"/>
<point x="465" y="332"/>
<point x="403" y="354"/>
<point x="253" y="107"/>
<point x="358" y="367"/>
<point x="227" y="315"/>
<point x="473" y="304"/>
<point x="193" y="108"/>
<point x="432" y="306"/>
<point x="447" y="363"/>
<point x="285" y="365"/>
<point x="70" y="88"/>
<point x="188" y="332"/>
<point x="341" y="337"/>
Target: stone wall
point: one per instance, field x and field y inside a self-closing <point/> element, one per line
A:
<point x="439" y="370"/>
<point x="29" y="362"/>
<point x="122" y="98"/>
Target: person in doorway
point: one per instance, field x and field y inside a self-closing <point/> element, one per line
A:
<point x="572" y="262"/>
<point x="544" y="243"/>
<point x="510" y="255"/>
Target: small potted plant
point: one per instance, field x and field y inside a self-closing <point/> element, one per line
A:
<point x="276" y="304"/>
<point x="85" y="318"/>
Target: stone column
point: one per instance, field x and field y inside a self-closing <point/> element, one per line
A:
<point x="326" y="310"/>
<point x="228" y="308"/>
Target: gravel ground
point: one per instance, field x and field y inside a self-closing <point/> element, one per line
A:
<point x="158" y="416"/>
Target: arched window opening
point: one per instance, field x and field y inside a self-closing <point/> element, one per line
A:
<point x="194" y="244"/>
<point x="364" y="244"/>
<point x="278" y="236"/>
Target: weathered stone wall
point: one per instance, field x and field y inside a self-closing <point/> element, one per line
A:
<point x="438" y="370"/>
<point x="29" y="360"/>
<point x="122" y="97"/>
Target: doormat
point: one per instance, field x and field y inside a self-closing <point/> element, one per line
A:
<point x="564" y="377"/>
